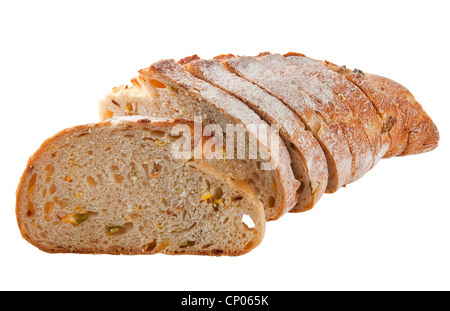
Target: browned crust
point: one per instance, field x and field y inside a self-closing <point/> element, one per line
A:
<point x="224" y="57"/>
<point x="135" y="82"/>
<point x="294" y="54"/>
<point x="387" y="109"/>
<point x="146" y="123"/>
<point x="263" y="54"/>
<point x="410" y="129"/>
<point x="188" y="59"/>
<point x="422" y="133"/>
<point x="91" y="251"/>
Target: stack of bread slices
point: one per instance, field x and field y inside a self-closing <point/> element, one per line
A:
<point x="124" y="186"/>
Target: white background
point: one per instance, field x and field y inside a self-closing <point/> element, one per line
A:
<point x="388" y="231"/>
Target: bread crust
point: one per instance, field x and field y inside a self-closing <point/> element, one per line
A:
<point x="124" y="122"/>
<point x="422" y="133"/>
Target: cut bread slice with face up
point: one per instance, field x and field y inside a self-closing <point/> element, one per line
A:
<point x="308" y="160"/>
<point x="173" y="92"/>
<point x="115" y="187"/>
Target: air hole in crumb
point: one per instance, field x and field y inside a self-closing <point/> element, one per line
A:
<point x="30" y="210"/>
<point x="51" y="189"/>
<point x="91" y="181"/>
<point x="207" y="245"/>
<point x="48" y="208"/>
<point x="32" y="183"/>
<point x="157" y="169"/>
<point x="157" y="84"/>
<point x="157" y="134"/>
<point x="49" y="169"/>
<point x="207" y="185"/>
<point x="149" y="247"/>
<point x="118" y="178"/>
<point x="109" y="114"/>
<point x="217" y="193"/>
<point x="129" y="109"/>
<point x="187" y="244"/>
<point x="248" y="221"/>
<point x="271" y="201"/>
<point x="146" y="170"/>
<point x="90" y="152"/>
<point x="237" y="198"/>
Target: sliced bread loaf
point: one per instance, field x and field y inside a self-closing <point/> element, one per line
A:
<point x="308" y="160"/>
<point x="116" y="188"/>
<point x="171" y="91"/>
<point x="330" y="106"/>
<point x="329" y="135"/>
<point x="351" y="96"/>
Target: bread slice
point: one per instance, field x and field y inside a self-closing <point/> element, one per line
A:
<point x="171" y="91"/>
<point x="352" y="97"/>
<point x="116" y="188"/>
<point x="308" y="160"/>
<point x="330" y="106"/>
<point x="328" y="135"/>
